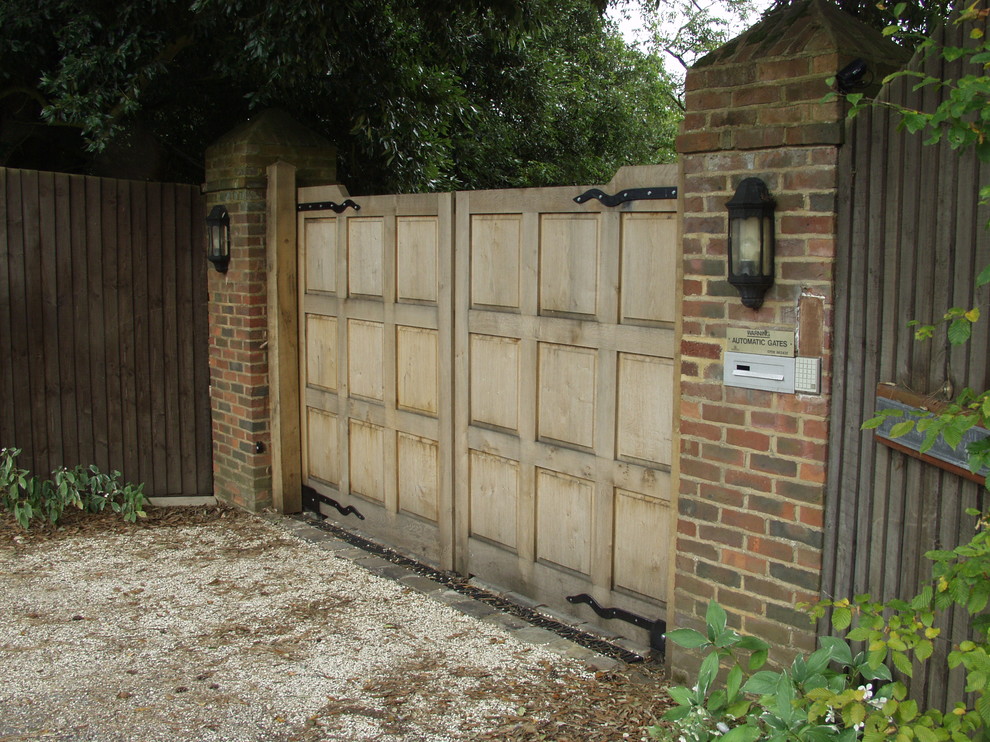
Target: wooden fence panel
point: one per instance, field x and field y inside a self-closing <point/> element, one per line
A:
<point x="911" y="241"/>
<point x="103" y="328"/>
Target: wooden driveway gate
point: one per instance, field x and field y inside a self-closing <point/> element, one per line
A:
<point x="487" y="378"/>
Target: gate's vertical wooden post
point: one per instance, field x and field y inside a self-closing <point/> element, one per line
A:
<point x="283" y="339"/>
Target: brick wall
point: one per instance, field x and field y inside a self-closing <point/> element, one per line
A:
<point x="236" y="169"/>
<point x="752" y="463"/>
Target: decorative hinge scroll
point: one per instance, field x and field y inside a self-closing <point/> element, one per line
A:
<point x="657" y="629"/>
<point x="311" y="500"/>
<point x="328" y="205"/>
<point x="630" y="194"/>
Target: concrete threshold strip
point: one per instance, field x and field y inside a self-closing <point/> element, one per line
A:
<point x="526" y="619"/>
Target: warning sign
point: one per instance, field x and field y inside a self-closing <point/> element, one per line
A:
<point x="762" y="342"/>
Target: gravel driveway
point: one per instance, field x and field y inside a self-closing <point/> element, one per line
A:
<point x="212" y="624"/>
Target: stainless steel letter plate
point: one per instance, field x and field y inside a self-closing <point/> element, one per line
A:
<point x="751" y="371"/>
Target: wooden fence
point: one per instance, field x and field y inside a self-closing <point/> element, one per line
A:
<point x="911" y="239"/>
<point x="103" y="328"/>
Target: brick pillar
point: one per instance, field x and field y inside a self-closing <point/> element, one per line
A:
<point x="236" y="176"/>
<point x="752" y="463"/>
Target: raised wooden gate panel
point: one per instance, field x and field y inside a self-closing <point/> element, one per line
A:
<point x="565" y="318"/>
<point x="375" y="309"/>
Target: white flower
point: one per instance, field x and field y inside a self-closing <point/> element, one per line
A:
<point x="830" y="716"/>
<point x="867" y="691"/>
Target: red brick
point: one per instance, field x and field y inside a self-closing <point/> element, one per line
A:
<point x="771" y="506"/>
<point x="812" y="516"/>
<point x="701" y="390"/>
<point x="746" y="521"/>
<point x="698" y="141"/>
<point x="706" y="308"/>
<point x="701" y="470"/>
<point x="725" y="496"/>
<point x="757" y="95"/>
<point x="817" y="429"/>
<point x="776" y="550"/>
<point x="812" y="473"/>
<point x="701" y="430"/>
<point x="749" y="479"/>
<point x="773" y="465"/>
<point x="749" y="397"/>
<point x="774" y="421"/>
<point x="757" y="137"/>
<point x="790" y="114"/>
<point x="807" y="224"/>
<point x="731" y="76"/>
<point x="819" y="270"/>
<point x="697" y="548"/>
<point x="746" y="562"/>
<point x="802" y="449"/>
<point x="723" y="455"/>
<point x="748" y="439"/>
<point x="800" y="491"/>
<point x="784" y="69"/>
<point x="720" y="414"/>
<point x="695" y="349"/>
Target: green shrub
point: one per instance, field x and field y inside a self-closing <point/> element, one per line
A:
<point x="33" y="499"/>
<point x="834" y="694"/>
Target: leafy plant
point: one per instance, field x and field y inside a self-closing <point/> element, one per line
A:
<point x="834" y="693"/>
<point x="32" y="499"/>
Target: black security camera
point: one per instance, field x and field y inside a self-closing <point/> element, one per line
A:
<point x="851" y="76"/>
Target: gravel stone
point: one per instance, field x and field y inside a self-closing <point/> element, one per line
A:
<point x="236" y="628"/>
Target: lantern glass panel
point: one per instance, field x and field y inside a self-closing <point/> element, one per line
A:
<point x="216" y="240"/>
<point x="747" y="243"/>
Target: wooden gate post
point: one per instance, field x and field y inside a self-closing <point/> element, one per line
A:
<point x="242" y="397"/>
<point x="283" y="334"/>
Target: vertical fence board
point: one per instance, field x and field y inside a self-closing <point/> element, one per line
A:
<point x="200" y="326"/>
<point x="6" y="327"/>
<point x="170" y="429"/>
<point x="156" y="379"/>
<point x="185" y="358"/>
<point x="97" y="328"/>
<point x="35" y="320"/>
<point x="66" y="392"/>
<point x="103" y="328"/>
<point x="78" y="300"/>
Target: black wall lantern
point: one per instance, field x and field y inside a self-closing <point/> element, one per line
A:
<point x="751" y="241"/>
<point x="218" y="238"/>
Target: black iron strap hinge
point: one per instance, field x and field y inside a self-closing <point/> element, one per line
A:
<point x="311" y="500"/>
<point x="630" y="194"/>
<point x="657" y="629"/>
<point x="328" y="205"/>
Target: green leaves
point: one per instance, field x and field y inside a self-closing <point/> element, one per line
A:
<point x="32" y="498"/>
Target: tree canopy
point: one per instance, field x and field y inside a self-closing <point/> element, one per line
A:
<point x="416" y="94"/>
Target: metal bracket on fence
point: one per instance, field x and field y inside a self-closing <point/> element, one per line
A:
<point x="657" y="629"/>
<point x="630" y="194"/>
<point x="328" y="205"/>
<point x="311" y="500"/>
